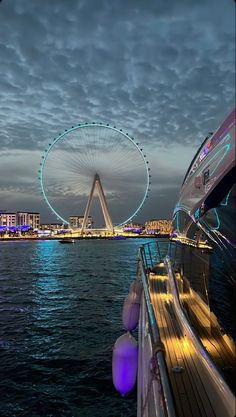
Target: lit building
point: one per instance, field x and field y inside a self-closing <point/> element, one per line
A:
<point x="133" y="227"/>
<point x="8" y="219"/>
<point x="161" y="227"/>
<point x="51" y="226"/>
<point x="31" y="219"/>
<point x="77" y="221"/>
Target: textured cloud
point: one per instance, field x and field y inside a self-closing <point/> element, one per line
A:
<point x="162" y="71"/>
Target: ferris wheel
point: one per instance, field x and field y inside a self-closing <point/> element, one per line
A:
<point x="90" y="158"/>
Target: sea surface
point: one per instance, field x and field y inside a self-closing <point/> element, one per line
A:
<point x="60" y="315"/>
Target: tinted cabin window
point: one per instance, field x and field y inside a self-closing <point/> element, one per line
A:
<point x="221" y="218"/>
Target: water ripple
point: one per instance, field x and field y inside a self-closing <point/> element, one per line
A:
<point x="60" y="315"/>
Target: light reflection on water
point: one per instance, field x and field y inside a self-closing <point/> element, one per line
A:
<point x="60" y="316"/>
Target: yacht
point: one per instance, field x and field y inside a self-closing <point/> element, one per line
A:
<point x="66" y="240"/>
<point x="204" y="218"/>
<point x="186" y="326"/>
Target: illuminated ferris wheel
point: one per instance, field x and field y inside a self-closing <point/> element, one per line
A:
<point x="95" y="169"/>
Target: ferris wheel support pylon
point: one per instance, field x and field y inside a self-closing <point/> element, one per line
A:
<point x="97" y="184"/>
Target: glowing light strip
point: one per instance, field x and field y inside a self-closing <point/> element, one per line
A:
<point x="227" y="148"/>
<point x="221" y="159"/>
<point x="92" y="125"/>
<point x="197" y="214"/>
<point x="181" y="207"/>
<point x="227" y="199"/>
<point x="218" y="222"/>
<point x="213" y="157"/>
<point x="177" y="220"/>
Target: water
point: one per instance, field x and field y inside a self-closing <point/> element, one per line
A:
<point x="60" y="314"/>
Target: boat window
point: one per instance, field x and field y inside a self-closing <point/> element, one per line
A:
<point x="221" y="191"/>
<point x="193" y="231"/>
<point x="181" y="221"/>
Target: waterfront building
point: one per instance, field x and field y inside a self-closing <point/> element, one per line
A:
<point x="133" y="227"/>
<point x="8" y="219"/>
<point x="77" y="221"/>
<point x="51" y="226"/>
<point x="160" y="226"/>
<point x="31" y="219"/>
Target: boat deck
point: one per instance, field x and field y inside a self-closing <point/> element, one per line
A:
<point x="212" y="339"/>
<point x="188" y="384"/>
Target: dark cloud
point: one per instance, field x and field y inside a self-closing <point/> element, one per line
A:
<point x="162" y="71"/>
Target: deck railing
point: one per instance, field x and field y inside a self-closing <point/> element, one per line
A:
<point x="166" y="407"/>
<point x="150" y="253"/>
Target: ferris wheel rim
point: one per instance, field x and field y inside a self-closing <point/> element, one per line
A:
<point x="107" y="126"/>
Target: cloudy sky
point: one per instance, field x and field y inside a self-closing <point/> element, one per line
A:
<point x="163" y="71"/>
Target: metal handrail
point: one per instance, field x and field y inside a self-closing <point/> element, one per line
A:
<point x="156" y="341"/>
<point x="147" y="257"/>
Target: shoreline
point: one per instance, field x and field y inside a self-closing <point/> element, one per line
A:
<point x="5" y="239"/>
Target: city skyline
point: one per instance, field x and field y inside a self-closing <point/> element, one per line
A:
<point x="14" y="218"/>
<point x="162" y="72"/>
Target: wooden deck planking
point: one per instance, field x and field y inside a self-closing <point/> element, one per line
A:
<point x="190" y="395"/>
<point x="177" y="386"/>
<point x="212" y="338"/>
